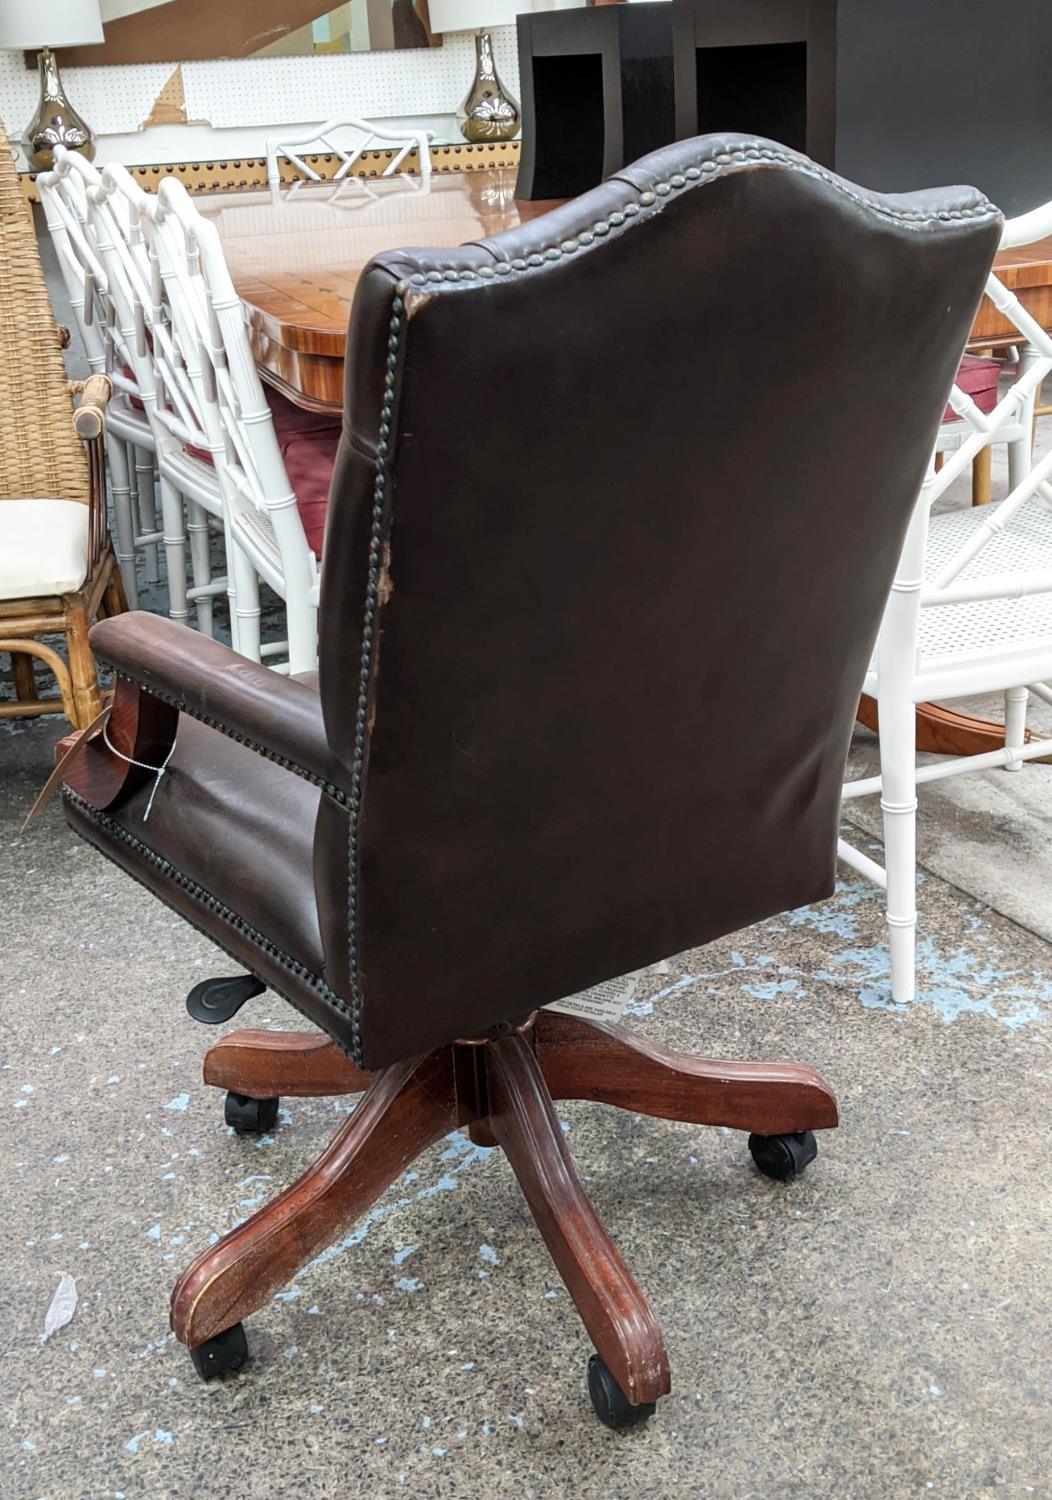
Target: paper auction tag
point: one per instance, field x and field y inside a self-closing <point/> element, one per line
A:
<point x="603" y="1002"/>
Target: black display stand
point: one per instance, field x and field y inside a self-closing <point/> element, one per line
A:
<point x="597" y="93"/>
<point x="893" y="94"/>
<point x="761" y="67"/>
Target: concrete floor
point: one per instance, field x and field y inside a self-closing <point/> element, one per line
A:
<point x="881" y="1328"/>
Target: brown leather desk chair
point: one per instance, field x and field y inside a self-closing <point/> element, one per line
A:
<point x="549" y="588"/>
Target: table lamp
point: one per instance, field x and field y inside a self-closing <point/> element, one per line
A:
<point x="488" y="113"/>
<point x="46" y="24"/>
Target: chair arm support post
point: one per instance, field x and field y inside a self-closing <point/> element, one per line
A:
<point x="277" y="717"/>
<point x="89" y="418"/>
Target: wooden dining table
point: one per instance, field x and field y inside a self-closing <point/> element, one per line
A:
<point x="296" y="256"/>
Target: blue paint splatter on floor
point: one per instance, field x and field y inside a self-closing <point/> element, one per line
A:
<point x="772" y="987"/>
<point x="974" y="978"/>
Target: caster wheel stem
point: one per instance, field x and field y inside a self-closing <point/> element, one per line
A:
<point x="250" y="1116"/>
<point x="783" y="1157"/>
<point x="221" y="1355"/>
<point x="609" y="1401"/>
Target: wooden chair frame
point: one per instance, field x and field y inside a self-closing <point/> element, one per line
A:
<point x="500" y="1086"/>
<point x="24" y="621"/>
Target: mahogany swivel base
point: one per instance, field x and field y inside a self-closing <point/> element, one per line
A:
<point x="500" y="1087"/>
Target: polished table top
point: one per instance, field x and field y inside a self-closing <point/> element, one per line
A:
<point x="296" y="258"/>
<point x="1027" y="271"/>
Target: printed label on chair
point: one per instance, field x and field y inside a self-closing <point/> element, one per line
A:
<point x="603" y="1002"/>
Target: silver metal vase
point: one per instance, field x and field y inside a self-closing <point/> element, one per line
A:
<point x="489" y="113"/>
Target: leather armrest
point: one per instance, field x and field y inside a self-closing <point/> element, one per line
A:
<point x="276" y="716"/>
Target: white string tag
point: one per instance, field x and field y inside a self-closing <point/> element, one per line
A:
<point x="128" y="760"/>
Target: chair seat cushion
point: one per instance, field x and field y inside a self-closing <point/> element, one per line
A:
<point x="43" y="547"/>
<point x="977" y="378"/>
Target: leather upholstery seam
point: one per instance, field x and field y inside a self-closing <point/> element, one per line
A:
<point x="708" y="170"/>
<point x="224" y="912"/>
<point x="395" y="330"/>
<point x="233" y="734"/>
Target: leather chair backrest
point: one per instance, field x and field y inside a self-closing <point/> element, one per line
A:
<point x="617" y="507"/>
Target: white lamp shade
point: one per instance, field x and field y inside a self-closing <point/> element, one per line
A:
<point x="50" y="23"/>
<point x="471" y="15"/>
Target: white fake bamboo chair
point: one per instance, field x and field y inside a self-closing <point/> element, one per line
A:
<point x="190" y="491"/>
<point x="365" y="136"/>
<point x="129" y="438"/>
<point x="970" y="611"/>
<point x="202" y="314"/>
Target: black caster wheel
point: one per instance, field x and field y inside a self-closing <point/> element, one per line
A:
<point x="250" y="1116"/>
<point x="783" y="1157"/>
<point x="216" y="1000"/>
<point x="612" y="1406"/>
<point x="227" y="1352"/>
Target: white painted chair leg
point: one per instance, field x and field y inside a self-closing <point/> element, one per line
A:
<point x="123" y="519"/>
<point x="1016" y="699"/>
<point x="1020" y="452"/>
<point x="174" y="522"/>
<point x="146" y="485"/>
<point x="244" y="602"/>
<point x="898" y="802"/>
<point x="200" y="562"/>
<point x="302" y="625"/>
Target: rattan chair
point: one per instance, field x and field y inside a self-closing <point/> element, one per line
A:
<point x="57" y="568"/>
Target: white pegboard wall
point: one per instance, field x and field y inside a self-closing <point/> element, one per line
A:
<point x="270" y="91"/>
<point x="113" y="100"/>
<point x="379" y="85"/>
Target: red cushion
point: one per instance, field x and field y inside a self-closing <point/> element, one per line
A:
<point x="308" y="441"/>
<point x="309" y="460"/>
<point x="978" y="379"/>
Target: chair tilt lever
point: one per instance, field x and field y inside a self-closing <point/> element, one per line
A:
<point x="216" y="1000"/>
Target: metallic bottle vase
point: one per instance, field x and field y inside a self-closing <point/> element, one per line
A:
<point x="56" y="122"/>
<point x="489" y="113"/>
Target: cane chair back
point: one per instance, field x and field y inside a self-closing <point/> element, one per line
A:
<point x="41" y="453"/>
<point x="970" y="613"/>
<point x="364" y="136"/>
<point x="47" y="472"/>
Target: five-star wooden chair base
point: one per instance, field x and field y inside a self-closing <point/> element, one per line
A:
<point x="500" y="1087"/>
